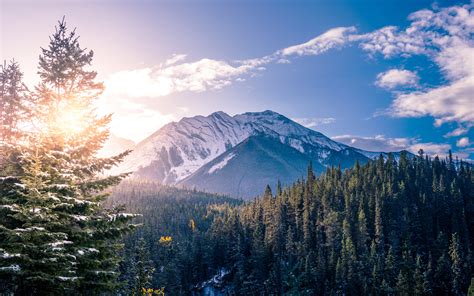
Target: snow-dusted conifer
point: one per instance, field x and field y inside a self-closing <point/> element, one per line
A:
<point x="63" y="240"/>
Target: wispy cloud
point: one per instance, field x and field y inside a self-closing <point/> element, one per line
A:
<point x="175" y="59"/>
<point x="132" y="120"/>
<point x="375" y="143"/>
<point x="314" y="122"/>
<point x="387" y="144"/>
<point x="462" y="129"/>
<point x="333" y="38"/>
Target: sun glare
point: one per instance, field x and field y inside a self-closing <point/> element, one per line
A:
<point x="69" y="120"/>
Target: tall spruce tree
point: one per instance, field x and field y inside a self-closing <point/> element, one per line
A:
<point x="60" y="239"/>
<point x="457" y="265"/>
<point x="15" y="101"/>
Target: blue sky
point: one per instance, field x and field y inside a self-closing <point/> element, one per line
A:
<point x="379" y="75"/>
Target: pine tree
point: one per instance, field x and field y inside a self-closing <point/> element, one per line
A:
<point x="391" y="268"/>
<point x="268" y="192"/>
<point x="65" y="240"/>
<point x="279" y="190"/>
<point x="144" y="269"/>
<point x="379" y="231"/>
<point x="308" y="211"/>
<point x="442" y="276"/>
<point x="14" y="102"/>
<point x="457" y="262"/>
<point x="418" y="277"/>
<point x="428" y="278"/>
<point x="403" y="285"/>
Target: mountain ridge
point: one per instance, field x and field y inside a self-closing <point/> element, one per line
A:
<point x="179" y="149"/>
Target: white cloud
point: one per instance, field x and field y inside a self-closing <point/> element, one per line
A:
<point x="183" y="109"/>
<point x="199" y="76"/>
<point x="453" y="102"/>
<point x="432" y="149"/>
<point x="175" y="59"/>
<point x="461" y="130"/>
<point x="463" y="142"/>
<point x="332" y="38"/>
<point x="390" y="42"/>
<point x="445" y="36"/>
<point x="314" y="122"/>
<point x="395" y="77"/>
<point x="283" y="61"/>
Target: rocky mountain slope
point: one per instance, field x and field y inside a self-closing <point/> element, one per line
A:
<point x="196" y="150"/>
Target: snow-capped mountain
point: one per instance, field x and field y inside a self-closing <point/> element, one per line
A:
<point x="179" y="149"/>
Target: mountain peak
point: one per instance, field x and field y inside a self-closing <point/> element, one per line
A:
<point x="219" y="113"/>
<point x="179" y="149"/>
<point x="263" y="113"/>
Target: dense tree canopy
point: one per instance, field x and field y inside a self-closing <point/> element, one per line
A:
<point x="388" y="227"/>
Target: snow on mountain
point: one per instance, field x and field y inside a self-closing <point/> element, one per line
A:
<point x="221" y="164"/>
<point x="179" y="149"/>
<point x="290" y="132"/>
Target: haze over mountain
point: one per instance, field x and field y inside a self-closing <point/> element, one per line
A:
<point x="236" y="155"/>
<point x="115" y="145"/>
